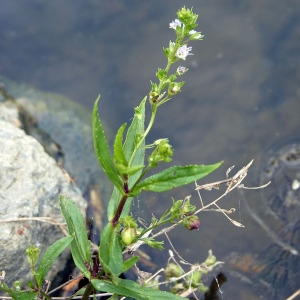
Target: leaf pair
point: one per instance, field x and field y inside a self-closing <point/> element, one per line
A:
<point x="128" y="157"/>
<point x="121" y="163"/>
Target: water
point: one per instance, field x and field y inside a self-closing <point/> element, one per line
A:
<point x="241" y="96"/>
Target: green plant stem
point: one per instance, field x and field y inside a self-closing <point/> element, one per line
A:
<point x="140" y="178"/>
<point x="154" y="107"/>
<point x="45" y="295"/>
<point x="153" y="114"/>
<point x="158" y="224"/>
<point x="88" y="290"/>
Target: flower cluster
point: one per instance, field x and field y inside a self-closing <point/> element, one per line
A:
<point x="162" y="152"/>
<point x="184" y="27"/>
<point x="184" y="210"/>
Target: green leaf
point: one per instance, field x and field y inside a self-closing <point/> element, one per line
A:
<point x="129" y="263"/>
<point x="22" y="295"/>
<point x="101" y="149"/>
<point x="50" y="256"/>
<point x="80" y="246"/>
<point x="132" y="289"/>
<point x="174" y="177"/>
<point x="113" y="203"/>
<point x="110" y="251"/>
<point x="119" y="154"/>
<point x="134" y="133"/>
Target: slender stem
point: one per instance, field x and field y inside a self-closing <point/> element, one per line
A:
<point x="154" y="109"/>
<point x="154" y="106"/>
<point x="153" y="114"/>
<point x="158" y="224"/>
<point x="140" y="178"/>
<point x="117" y="215"/>
<point x="88" y="291"/>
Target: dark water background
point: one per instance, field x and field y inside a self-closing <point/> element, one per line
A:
<point x="242" y="91"/>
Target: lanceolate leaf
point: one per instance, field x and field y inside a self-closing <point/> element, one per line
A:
<point x="133" y="290"/>
<point x="113" y="203"/>
<point x="129" y="263"/>
<point x="134" y="134"/>
<point x="174" y="177"/>
<point x="50" y="256"/>
<point x="80" y="246"/>
<point x="101" y="149"/>
<point x="110" y="251"/>
<point x="119" y="154"/>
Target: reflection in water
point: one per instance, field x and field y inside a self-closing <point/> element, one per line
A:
<point x="276" y="271"/>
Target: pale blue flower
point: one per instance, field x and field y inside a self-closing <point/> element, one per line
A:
<point x="181" y="70"/>
<point x="183" y="52"/>
<point x="196" y="35"/>
<point x="175" y="24"/>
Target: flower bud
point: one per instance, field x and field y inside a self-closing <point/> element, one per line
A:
<point x="174" y="88"/>
<point x="173" y="270"/>
<point x="128" y="235"/>
<point x="175" y="209"/>
<point x="211" y="259"/>
<point x="187" y="208"/>
<point x="194" y="35"/>
<point x="17" y="285"/>
<point x="195" y="278"/>
<point x="191" y="222"/>
<point x="162" y="152"/>
<point x="153" y="97"/>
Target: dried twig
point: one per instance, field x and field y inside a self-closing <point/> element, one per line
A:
<point x="297" y="293"/>
<point x="48" y="220"/>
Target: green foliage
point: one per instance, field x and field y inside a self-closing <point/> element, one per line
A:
<point x="119" y="154"/>
<point x="40" y="273"/>
<point x="129" y="263"/>
<point x="135" y="156"/>
<point x="22" y="295"/>
<point x="127" y="170"/>
<point x="33" y="255"/>
<point x="49" y="257"/>
<point x="110" y="251"/>
<point x="80" y="246"/>
<point x="132" y="289"/>
<point x="102" y="151"/>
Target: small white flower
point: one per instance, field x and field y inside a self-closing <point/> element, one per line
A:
<point x="183" y="52"/>
<point x="175" y="24"/>
<point x="196" y="35"/>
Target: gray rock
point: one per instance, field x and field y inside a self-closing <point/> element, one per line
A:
<point x="30" y="183"/>
<point x="70" y="126"/>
